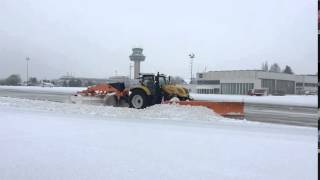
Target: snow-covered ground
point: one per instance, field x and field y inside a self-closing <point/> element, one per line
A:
<point x="48" y="140"/>
<point x="290" y="100"/>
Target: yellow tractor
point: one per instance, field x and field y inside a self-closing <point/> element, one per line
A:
<point x="153" y="89"/>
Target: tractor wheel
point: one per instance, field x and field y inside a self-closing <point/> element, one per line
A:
<point x="138" y="99"/>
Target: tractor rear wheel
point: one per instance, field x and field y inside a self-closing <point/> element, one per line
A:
<point x="138" y="99"/>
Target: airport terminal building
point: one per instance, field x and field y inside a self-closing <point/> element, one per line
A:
<point x="241" y="81"/>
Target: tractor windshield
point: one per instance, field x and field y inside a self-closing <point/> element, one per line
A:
<point x="148" y="81"/>
<point x="162" y="81"/>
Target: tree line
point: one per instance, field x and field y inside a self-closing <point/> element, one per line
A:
<point x="15" y="80"/>
<point x="12" y="80"/>
<point x="276" y="68"/>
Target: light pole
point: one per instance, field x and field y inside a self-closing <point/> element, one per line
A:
<point x="192" y="56"/>
<point x="27" y="59"/>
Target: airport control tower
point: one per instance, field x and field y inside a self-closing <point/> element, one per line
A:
<point x="137" y="57"/>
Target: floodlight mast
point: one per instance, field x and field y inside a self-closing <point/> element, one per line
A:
<point x="191" y="56"/>
<point x="27" y="59"/>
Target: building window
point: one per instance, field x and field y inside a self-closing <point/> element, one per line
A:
<point x="310" y="84"/>
<point x="238" y="88"/>
<point x="284" y="86"/>
<point x="241" y="88"/>
<point x="211" y="82"/>
<point x="270" y="84"/>
<point x="235" y="88"/>
<point x="208" y="91"/>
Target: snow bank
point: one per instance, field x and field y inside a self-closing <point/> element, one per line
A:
<point x="290" y="100"/>
<point x="47" y="140"/>
<point x="156" y="112"/>
<point x="67" y="90"/>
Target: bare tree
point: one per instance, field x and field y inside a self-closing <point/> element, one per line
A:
<point x="265" y="66"/>
<point x="288" y="70"/>
<point x="177" y="80"/>
<point x="275" y="68"/>
<point x="33" y="80"/>
<point x="13" y="80"/>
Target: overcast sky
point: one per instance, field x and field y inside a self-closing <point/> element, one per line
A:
<point x="93" y="38"/>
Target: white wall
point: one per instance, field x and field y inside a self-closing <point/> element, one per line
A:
<point x="252" y="76"/>
<point x="230" y="76"/>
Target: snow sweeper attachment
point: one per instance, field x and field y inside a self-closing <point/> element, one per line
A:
<point x="112" y="94"/>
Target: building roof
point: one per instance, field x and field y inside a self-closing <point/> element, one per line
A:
<point x="235" y="70"/>
<point x="258" y="70"/>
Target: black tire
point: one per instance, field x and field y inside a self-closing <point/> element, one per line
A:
<point x="138" y="99"/>
<point x="183" y="98"/>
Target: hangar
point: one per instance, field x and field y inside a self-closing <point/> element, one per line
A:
<point x="241" y="81"/>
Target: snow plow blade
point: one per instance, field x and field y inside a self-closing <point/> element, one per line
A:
<point x="227" y="109"/>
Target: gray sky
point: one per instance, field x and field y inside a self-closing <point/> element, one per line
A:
<point x="93" y="38"/>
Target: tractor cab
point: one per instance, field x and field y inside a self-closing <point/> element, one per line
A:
<point x="148" y="79"/>
<point x="152" y="81"/>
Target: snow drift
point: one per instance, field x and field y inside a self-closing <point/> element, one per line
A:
<point x="48" y="140"/>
